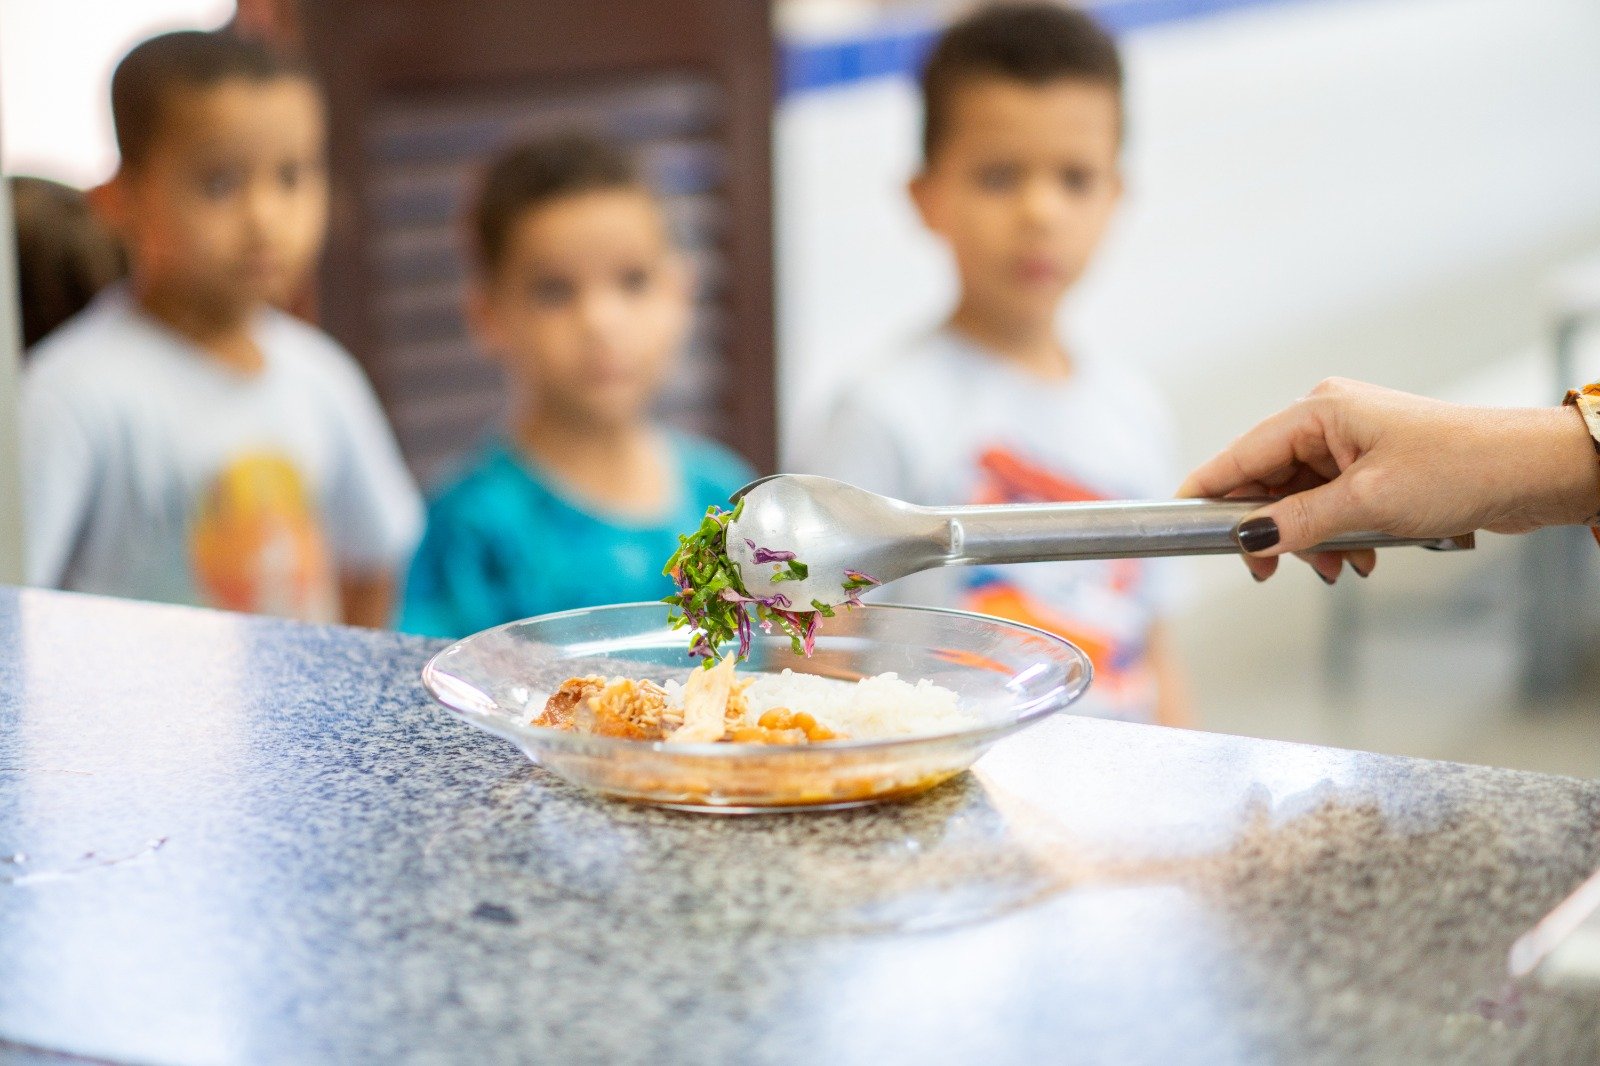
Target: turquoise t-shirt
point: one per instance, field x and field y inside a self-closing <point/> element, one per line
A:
<point x="504" y="542"/>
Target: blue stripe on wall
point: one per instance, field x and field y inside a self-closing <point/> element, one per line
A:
<point x="899" y="51"/>
<point x="805" y="67"/>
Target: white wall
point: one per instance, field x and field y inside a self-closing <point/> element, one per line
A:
<point x="1391" y="176"/>
<point x="56" y="58"/>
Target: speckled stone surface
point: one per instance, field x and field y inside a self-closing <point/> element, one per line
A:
<point x="228" y="840"/>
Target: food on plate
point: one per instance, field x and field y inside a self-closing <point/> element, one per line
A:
<point x="619" y="707"/>
<point x="714" y="706"/>
<point x="714" y="604"/>
<point x="705" y="705"/>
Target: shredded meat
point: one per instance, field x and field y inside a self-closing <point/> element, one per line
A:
<point x="561" y="708"/>
<point x="738" y="704"/>
<point x="705" y="705"/>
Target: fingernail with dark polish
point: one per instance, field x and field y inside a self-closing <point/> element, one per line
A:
<point x="1359" y="572"/>
<point x="1260" y="578"/>
<point x="1326" y="580"/>
<point x="1258" y="534"/>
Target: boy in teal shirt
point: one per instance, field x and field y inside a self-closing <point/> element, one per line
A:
<point x="582" y="297"/>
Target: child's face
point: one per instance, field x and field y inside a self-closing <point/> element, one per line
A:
<point x="230" y="204"/>
<point x="589" y="305"/>
<point x="1022" y="187"/>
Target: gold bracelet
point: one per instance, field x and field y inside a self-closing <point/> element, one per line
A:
<point x="1587" y="401"/>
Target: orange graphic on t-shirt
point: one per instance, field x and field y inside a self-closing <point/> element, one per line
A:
<point x="1007" y="601"/>
<point x="258" y="546"/>
<point x="1008" y="478"/>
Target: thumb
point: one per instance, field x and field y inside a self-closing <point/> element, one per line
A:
<point x="1300" y="521"/>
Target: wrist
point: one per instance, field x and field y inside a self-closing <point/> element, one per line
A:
<point x="1568" y="470"/>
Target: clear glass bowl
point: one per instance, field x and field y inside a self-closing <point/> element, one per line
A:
<point x="1007" y="675"/>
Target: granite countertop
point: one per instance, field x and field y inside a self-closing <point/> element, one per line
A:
<point x="233" y="840"/>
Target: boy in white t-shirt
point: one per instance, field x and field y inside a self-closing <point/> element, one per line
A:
<point x="183" y="440"/>
<point x="1022" y="133"/>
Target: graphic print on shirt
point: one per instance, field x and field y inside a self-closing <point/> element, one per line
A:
<point x="257" y="543"/>
<point x="1095" y="604"/>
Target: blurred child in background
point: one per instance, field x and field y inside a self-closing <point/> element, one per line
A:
<point x="1022" y="134"/>
<point x="64" y="254"/>
<point x="582" y="298"/>
<point x="182" y="439"/>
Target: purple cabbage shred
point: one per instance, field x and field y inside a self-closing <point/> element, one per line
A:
<point x="768" y="555"/>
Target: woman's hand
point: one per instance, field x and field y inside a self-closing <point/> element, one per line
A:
<point x="1352" y="456"/>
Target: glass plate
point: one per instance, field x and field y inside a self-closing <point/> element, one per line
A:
<point x="1007" y="675"/>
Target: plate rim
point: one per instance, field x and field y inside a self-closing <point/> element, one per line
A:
<point x="432" y="671"/>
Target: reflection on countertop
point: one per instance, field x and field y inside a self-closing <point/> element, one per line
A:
<point x="227" y="839"/>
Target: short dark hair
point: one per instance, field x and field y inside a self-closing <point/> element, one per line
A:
<point x="186" y="59"/>
<point x="535" y="173"/>
<point x="64" y="255"/>
<point x="1032" y="43"/>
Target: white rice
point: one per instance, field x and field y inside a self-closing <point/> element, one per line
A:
<point x="870" y="709"/>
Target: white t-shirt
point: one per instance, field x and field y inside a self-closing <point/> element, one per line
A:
<point x="153" y="472"/>
<point x="946" y="423"/>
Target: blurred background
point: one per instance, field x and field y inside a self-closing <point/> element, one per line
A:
<point x="1405" y="191"/>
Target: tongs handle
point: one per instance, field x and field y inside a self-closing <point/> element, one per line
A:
<point x="1047" y="532"/>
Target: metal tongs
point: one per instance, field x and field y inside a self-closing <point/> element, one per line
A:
<point x="837" y="529"/>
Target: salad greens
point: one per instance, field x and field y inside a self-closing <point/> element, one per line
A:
<point x="716" y="607"/>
